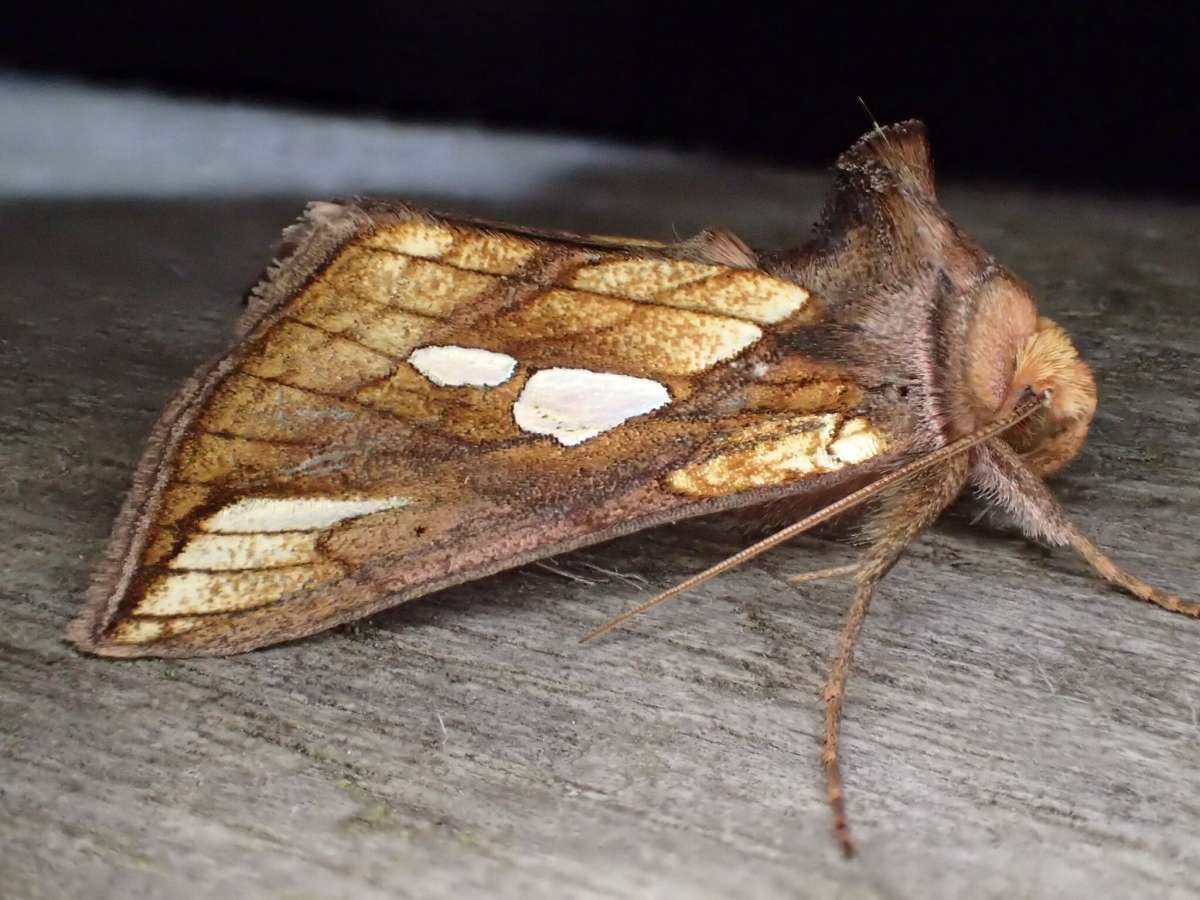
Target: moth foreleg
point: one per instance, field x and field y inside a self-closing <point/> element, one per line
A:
<point x="899" y="516"/>
<point x="1005" y="480"/>
<point x="1114" y="574"/>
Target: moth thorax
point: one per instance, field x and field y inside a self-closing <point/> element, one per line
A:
<point x="1010" y="350"/>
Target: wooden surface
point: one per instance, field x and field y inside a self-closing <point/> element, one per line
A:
<point x="1014" y="727"/>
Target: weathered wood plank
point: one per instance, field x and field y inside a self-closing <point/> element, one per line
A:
<point x="1014" y="727"/>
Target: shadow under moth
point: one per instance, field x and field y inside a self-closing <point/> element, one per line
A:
<point x="413" y="400"/>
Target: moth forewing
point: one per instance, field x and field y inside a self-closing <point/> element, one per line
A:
<point x="413" y="401"/>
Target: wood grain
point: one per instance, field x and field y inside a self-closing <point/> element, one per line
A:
<point x="1014" y="727"/>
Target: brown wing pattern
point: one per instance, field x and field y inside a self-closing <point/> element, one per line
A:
<point x="416" y="401"/>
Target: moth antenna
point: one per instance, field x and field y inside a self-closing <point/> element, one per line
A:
<point x="1022" y="411"/>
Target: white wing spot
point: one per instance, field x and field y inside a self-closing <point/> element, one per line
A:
<point x="142" y="631"/>
<point x="572" y="405"/>
<point x="458" y="366"/>
<point x="247" y="551"/>
<point x="190" y="593"/>
<point x="259" y="514"/>
<point x="858" y="442"/>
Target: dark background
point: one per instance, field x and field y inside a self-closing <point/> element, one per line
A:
<point x="1073" y="96"/>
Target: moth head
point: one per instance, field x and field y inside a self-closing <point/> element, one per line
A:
<point x="1012" y="350"/>
<point x="1048" y="364"/>
<point x="885" y="242"/>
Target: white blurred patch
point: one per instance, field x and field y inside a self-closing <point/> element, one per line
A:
<point x="247" y="551"/>
<point x="573" y="405"/>
<point x="462" y="366"/>
<point x="258" y="514"/>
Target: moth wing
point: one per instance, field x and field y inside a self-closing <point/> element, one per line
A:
<point x="414" y="401"/>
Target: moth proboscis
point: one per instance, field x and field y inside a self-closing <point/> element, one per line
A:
<point x="414" y="400"/>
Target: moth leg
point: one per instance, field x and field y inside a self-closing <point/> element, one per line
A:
<point x="1114" y="574"/>
<point x="900" y="516"/>
<point x="821" y="574"/>
<point x="1009" y="483"/>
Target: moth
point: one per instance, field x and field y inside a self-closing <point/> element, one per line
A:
<point x="413" y="400"/>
